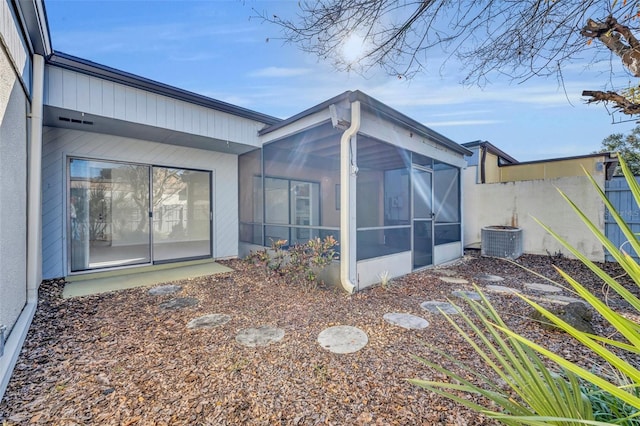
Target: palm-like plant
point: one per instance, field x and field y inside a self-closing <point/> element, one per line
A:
<point x="528" y="391"/>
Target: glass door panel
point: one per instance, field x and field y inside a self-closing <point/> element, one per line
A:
<point x="181" y="214"/>
<point x="108" y="214"/>
<point x="422" y="218"/>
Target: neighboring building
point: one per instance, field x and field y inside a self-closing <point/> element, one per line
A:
<point x="107" y="170"/>
<point x="500" y="191"/>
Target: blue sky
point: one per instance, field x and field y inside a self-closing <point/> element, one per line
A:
<point x="218" y="48"/>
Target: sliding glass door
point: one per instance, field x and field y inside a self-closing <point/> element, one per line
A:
<point x="181" y="214"/>
<point x="123" y="214"/>
<point x="109" y="214"/>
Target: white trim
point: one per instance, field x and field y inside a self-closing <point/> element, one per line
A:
<point x="13" y="345"/>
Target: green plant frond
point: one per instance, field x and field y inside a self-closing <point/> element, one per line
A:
<point x="547" y="420"/>
<point x="587" y="340"/>
<point x="616" y="286"/>
<point x="439" y="388"/>
<point x="626" y="230"/>
<point x="579" y="371"/>
<point x="616" y="320"/>
<point x="616" y="343"/>
<point x="519" y="366"/>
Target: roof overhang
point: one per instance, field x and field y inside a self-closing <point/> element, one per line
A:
<point x="75" y="120"/>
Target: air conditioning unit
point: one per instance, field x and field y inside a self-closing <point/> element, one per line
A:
<point x="501" y="241"/>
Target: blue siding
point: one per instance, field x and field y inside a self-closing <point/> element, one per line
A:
<point x="620" y="196"/>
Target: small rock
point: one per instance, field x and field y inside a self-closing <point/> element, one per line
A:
<point x="575" y="314"/>
<point x="439" y="307"/>
<point x="488" y="277"/>
<point x="454" y="280"/>
<point x="464" y="294"/>
<point x="165" y="289"/>
<point x="179" y="303"/>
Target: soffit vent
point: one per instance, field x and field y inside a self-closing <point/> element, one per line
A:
<point x="76" y="121"/>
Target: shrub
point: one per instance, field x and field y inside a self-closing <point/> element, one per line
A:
<point x="299" y="263"/>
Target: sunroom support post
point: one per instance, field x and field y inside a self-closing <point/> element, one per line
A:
<point x="348" y="174"/>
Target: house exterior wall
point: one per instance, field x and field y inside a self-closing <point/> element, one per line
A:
<point x="59" y="144"/>
<point x="516" y="203"/>
<point x="93" y="95"/>
<point x="13" y="173"/>
<point x="541" y="169"/>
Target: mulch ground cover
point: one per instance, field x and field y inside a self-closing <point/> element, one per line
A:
<point x="122" y="359"/>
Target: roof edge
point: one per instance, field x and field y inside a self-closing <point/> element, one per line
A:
<point x="372" y="103"/>
<point x="87" y="67"/>
<point x="493" y="149"/>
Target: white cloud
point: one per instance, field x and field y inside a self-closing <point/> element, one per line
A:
<point x="279" y="72"/>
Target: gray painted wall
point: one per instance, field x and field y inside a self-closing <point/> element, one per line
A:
<point x="59" y="144"/>
<point x="13" y="179"/>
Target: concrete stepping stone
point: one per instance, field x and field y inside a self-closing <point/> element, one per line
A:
<point x="565" y="300"/>
<point x="489" y="277"/>
<point x="439" y="307"/>
<point x="164" y="289"/>
<point x="447" y="272"/>
<point x="454" y="280"/>
<point x="502" y="289"/>
<point x="179" y="303"/>
<point x="209" y="321"/>
<point x="543" y="288"/>
<point x="259" y="336"/>
<point x="407" y="321"/>
<point x="473" y="295"/>
<point x="343" y="339"/>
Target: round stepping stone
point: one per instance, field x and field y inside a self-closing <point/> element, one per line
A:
<point x="343" y="339"/>
<point x="488" y="277"/>
<point x="179" y="303"/>
<point x="467" y="294"/>
<point x="209" y="321"/>
<point x="259" y="336"/>
<point x="454" y="280"/>
<point x="502" y="289"/>
<point x="544" y="288"/>
<point x="564" y="299"/>
<point x="165" y="289"/>
<point x="439" y="307"/>
<point x="408" y="321"/>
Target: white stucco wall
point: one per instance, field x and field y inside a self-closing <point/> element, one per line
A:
<point x="516" y="203"/>
<point x="59" y="144"/>
<point x="13" y="194"/>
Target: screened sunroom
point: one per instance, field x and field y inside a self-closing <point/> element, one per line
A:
<point x="386" y="187"/>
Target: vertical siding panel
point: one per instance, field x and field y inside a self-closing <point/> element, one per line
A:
<point x="130" y="108"/>
<point x="152" y="115"/>
<point x="108" y="99"/>
<point x="69" y="90"/>
<point x="83" y="93"/>
<point x="179" y="116"/>
<point x="211" y="123"/>
<point x="171" y="114"/>
<point x="119" y="102"/>
<point x="161" y="111"/>
<point x="141" y="107"/>
<point x="188" y="117"/>
<point x="95" y="96"/>
<point x="55" y="86"/>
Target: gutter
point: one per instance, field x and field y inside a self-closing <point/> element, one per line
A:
<point x="348" y="169"/>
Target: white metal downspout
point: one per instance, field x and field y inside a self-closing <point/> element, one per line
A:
<point x="347" y="169"/>
<point x="34" y="206"/>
